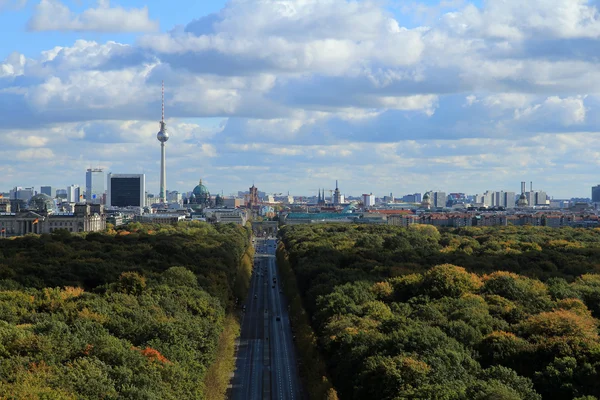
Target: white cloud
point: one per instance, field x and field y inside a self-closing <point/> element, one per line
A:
<point x="299" y="91"/>
<point x="52" y="15"/>
<point x="14" y="65"/>
<point x="35" y="154"/>
<point x="515" y="19"/>
<point x="567" y="111"/>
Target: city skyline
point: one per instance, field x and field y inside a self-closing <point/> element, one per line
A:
<point x="329" y="194"/>
<point x="458" y="96"/>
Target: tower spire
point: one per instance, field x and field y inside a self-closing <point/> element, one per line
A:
<point x="162" y="137"/>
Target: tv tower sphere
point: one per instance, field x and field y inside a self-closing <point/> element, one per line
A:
<point x="162" y="135"/>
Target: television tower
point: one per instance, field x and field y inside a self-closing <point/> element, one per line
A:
<point x="162" y="137"/>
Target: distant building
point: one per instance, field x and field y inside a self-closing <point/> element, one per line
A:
<point x="61" y="193"/>
<point x="174" y="197"/>
<point x="73" y="193"/>
<point x="126" y="190"/>
<point x="438" y="199"/>
<point x="337" y="196"/>
<point x="596" y="194"/>
<point x="47" y="190"/>
<point x="536" y="198"/>
<point x="94" y="185"/>
<point x="5" y="205"/>
<point x="233" y="202"/>
<point x="412" y="198"/>
<point x="368" y="200"/>
<point x="200" y="197"/>
<point x="20" y="193"/>
<point x="426" y="203"/>
<point x="224" y="216"/>
<point x="252" y="197"/>
<point x="38" y="218"/>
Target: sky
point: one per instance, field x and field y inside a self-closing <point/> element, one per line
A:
<point x="386" y="96"/>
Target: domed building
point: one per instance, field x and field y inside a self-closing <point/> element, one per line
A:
<point x="42" y="203"/>
<point x="200" y="197"/>
<point x="522" y="201"/>
<point x="426" y="203"/>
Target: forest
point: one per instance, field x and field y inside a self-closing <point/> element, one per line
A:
<point x="465" y="313"/>
<point x="133" y="313"/>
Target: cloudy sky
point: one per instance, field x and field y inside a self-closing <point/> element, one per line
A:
<point x="386" y="96"/>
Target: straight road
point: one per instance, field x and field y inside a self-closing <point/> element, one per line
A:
<point x="266" y="366"/>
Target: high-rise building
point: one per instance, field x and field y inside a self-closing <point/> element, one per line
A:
<point x="536" y="198"/>
<point x="47" y="190"/>
<point x="509" y="199"/>
<point x="412" y="198"/>
<point x="126" y="190"/>
<point x="20" y="193"/>
<point x="94" y="185"/>
<point x="596" y="194"/>
<point x="368" y="199"/>
<point x="73" y="193"/>
<point x="61" y="193"/>
<point x="162" y="137"/>
<point x="438" y="199"/>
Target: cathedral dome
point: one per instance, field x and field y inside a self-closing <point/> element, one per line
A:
<point x="41" y="202"/>
<point x="200" y="190"/>
<point x="200" y="195"/>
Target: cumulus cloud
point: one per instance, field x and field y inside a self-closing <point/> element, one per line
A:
<point x="304" y="90"/>
<point x="52" y="15"/>
<point x="554" y="110"/>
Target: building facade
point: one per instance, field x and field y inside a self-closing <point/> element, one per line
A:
<point x="94" y="185"/>
<point x="438" y="199"/>
<point x="596" y="194"/>
<point x="126" y="190"/>
<point x="73" y="194"/>
<point x="47" y="190"/>
<point x="86" y="218"/>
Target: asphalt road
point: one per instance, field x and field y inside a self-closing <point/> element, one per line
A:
<point x="266" y="366"/>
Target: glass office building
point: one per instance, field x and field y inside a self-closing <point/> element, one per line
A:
<point x="126" y="190"/>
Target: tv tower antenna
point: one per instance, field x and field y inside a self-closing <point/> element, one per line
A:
<point x="162" y="119"/>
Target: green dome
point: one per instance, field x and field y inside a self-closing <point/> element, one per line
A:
<point x="426" y="196"/>
<point x="200" y="195"/>
<point x="201" y="190"/>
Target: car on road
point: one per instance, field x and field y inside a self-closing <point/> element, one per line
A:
<point x="256" y="296"/>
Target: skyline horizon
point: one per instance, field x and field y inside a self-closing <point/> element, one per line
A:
<point x="283" y="193"/>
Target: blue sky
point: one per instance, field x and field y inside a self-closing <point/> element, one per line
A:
<point x="386" y="96"/>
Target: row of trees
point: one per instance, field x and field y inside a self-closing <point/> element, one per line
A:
<point x="394" y="319"/>
<point x="133" y="313"/>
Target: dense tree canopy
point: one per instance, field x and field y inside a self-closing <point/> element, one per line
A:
<point x="135" y="313"/>
<point x="469" y="313"/>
